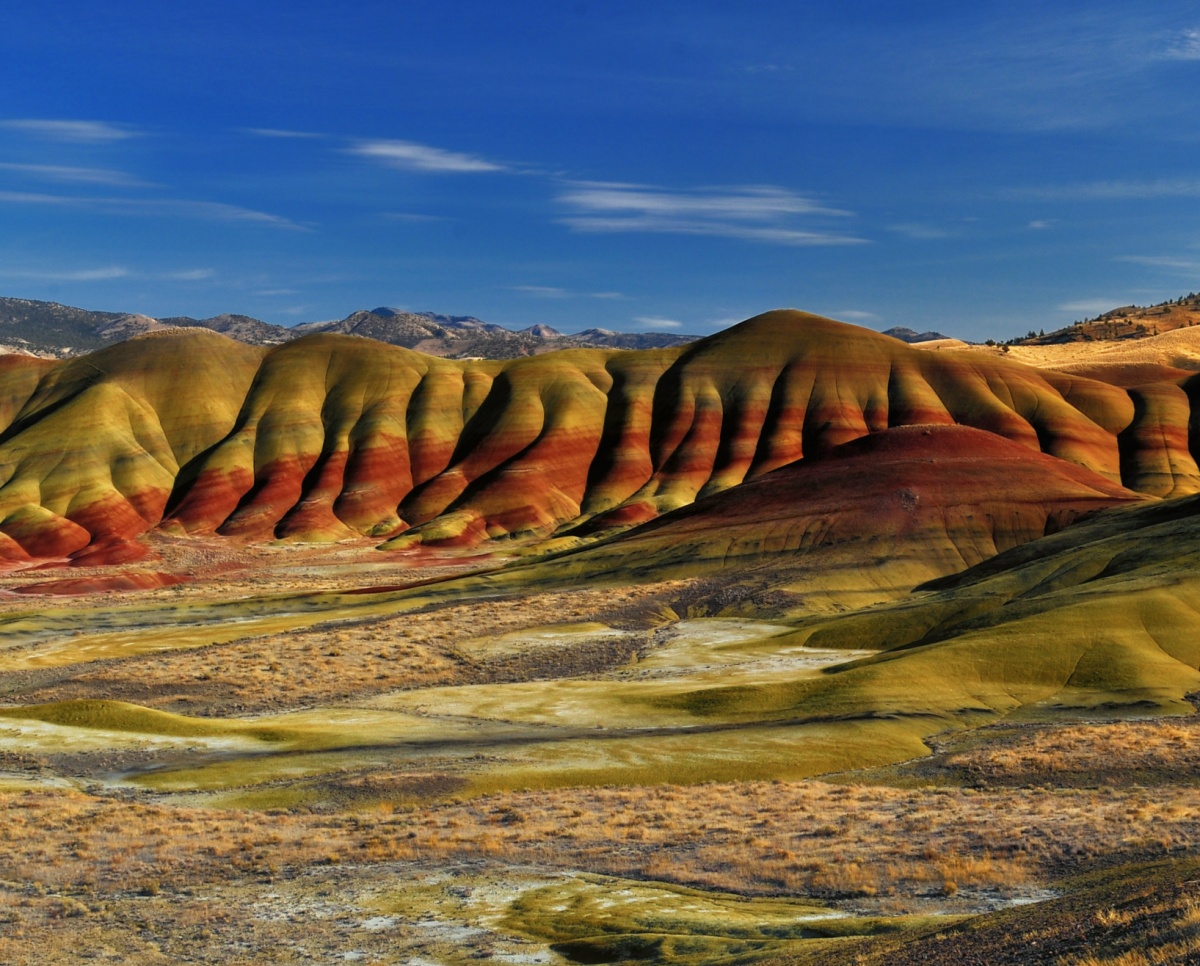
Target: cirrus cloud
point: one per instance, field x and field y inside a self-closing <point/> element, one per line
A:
<point x="83" y="132"/>
<point x="762" y="213"/>
<point x="411" y="156"/>
<point x="556" y="292"/>
<point x="1131" y="190"/>
<point x="171" y="207"/>
<point x="68" y="275"/>
<point x="72" y="175"/>
<point x="1184" y="46"/>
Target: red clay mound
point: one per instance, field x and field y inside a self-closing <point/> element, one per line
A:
<point x="101" y="584"/>
<point x="891" y="510"/>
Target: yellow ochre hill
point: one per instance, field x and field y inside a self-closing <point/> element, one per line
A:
<point x="331" y="437"/>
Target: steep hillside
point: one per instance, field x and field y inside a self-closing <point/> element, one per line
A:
<point x="50" y="328"/>
<point x="870" y="520"/>
<point x="1169" y="357"/>
<point x="330" y="437"/>
<point x="1102" y="615"/>
<point x="62" y="331"/>
<point x="1126" y="322"/>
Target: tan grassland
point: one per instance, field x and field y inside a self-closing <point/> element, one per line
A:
<point x="152" y="881"/>
<point x="1179" y="349"/>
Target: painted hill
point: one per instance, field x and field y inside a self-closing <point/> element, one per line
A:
<point x="871" y="519"/>
<point x="1095" y="619"/>
<point x="329" y="437"/>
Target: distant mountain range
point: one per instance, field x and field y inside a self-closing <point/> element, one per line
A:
<point x="59" y="331"/>
<point x="905" y="334"/>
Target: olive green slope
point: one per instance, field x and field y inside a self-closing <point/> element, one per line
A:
<point x="1102" y="616"/>
<point x="90" y="458"/>
<point x="1099" y="618"/>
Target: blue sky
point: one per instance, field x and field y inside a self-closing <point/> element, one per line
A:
<point x="978" y="168"/>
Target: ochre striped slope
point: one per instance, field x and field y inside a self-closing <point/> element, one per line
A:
<point x="333" y="436"/>
<point x="872" y="519"/>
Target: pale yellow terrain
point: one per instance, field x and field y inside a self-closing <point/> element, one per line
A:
<point x="1179" y="349"/>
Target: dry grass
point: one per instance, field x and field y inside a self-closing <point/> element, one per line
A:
<point x="74" y="865"/>
<point x="813" y="839"/>
<point x="153" y="880"/>
<point x="1180" y="348"/>
<point x="1173" y="939"/>
<point x="798" y="838"/>
<point x="1163" y="749"/>
<point x="336" y="662"/>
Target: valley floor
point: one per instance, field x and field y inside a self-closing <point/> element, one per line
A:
<point x="238" y="769"/>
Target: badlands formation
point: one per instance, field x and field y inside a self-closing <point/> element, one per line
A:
<point x="331" y="437"/>
<point x="795" y="644"/>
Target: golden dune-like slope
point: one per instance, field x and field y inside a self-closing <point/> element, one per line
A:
<point x="332" y="436"/>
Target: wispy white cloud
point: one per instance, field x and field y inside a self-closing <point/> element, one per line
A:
<point x="1041" y="224"/>
<point x="1184" y="46"/>
<point x="172" y="207"/>
<point x="554" y="292"/>
<point x="657" y="322"/>
<point x="748" y="203"/>
<point x="410" y="156"/>
<point x="1116" y="190"/>
<point x="84" y="132"/>
<point x="761" y="213"/>
<point x="855" y="315"/>
<point x="205" y="210"/>
<point x="779" y="236"/>
<point x="542" y="291"/>
<point x="67" y="275"/>
<point x="1073" y="66"/>
<point x="70" y="175"/>
<point x="107" y="273"/>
